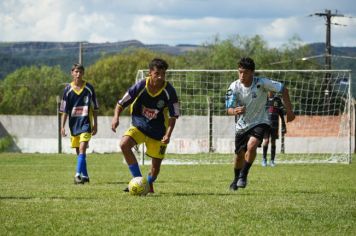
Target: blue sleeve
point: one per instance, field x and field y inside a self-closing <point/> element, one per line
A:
<point x="173" y="103"/>
<point x="94" y="98"/>
<point x="132" y="93"/>
<point x="64" y="107"/>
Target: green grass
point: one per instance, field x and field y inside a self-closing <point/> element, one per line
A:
<point x="38" y="197"/>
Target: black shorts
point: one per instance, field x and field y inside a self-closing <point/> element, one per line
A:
<point x="258" y="132"/>
<point x="273" y="132"/>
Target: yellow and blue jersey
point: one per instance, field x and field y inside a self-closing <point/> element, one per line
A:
<point x="150" y="112"/>
<point x="79" y="105"/>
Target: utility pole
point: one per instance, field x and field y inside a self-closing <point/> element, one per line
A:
<point x="80" y="53"/>
<point x="328" y="15"/>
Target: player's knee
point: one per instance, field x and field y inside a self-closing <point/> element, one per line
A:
<point x="125" y="144"/>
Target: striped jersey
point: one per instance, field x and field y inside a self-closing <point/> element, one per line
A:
<point x="79" y="105"/>
<point x="253" y="98"/>
<point x="150" y="112"/>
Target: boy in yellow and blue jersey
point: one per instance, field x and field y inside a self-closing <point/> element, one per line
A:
<point x="80" y="106"/>
<point x="154" y="110"/>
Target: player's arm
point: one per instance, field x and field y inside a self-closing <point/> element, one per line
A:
<point x="115" y="119"/>
<point x="95" y="125"/>
<point x="171" y="123"/>
<point x="63" y="123"/>
<point x="288" y="105"/>
<point x="230" y="101"/>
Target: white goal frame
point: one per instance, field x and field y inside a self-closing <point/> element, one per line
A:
<point x="210" y="142"/>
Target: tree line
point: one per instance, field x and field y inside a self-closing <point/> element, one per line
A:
<point x="33" y="90"/>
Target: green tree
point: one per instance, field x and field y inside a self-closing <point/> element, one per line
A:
<point x="32" y="90"/>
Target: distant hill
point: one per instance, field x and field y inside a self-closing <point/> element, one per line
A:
<point x="14" y="55"/>
<point x="17" y="54"/>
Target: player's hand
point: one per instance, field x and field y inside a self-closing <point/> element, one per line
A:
<point x="239" y="110"/>
<point x="63" y="132"/>
<point x="165" y="139"/>
<point x="114" y="124"/>
<point x="95" y="130"/>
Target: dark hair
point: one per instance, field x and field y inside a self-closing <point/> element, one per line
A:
<point x="78" y="66"/>
<point x="246" y="63"/>
<point x="158" y="63"/>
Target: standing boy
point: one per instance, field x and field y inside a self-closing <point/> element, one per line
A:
<point x="80" y="105"/>
<point x="246" y="100"/>
<point x="154" y="110"/>
<point x="275" y="109"/>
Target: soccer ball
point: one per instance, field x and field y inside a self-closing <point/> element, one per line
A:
<point x="139" y="186"/>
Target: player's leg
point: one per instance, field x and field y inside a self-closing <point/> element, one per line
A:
<point x="265" y="148"/>
<point x="84" y="139"/>
<point x="75" y="144"/>
<point x="240" y="148"/>
<point x="156" y="150"/>
<point x="274" y="137"/>
<point x="238" y="164"/>
<point x="131" y="138"/>
<point x="273" y="151"/>
<point x="255" y="139"/>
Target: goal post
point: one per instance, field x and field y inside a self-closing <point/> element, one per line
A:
<point x="322" y="101"/>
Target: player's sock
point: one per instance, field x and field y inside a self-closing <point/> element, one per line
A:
<point x="245" y="169"/>
<point x="84" y="165"/>
<point x="151" y="179"/>
<point x="80" y="161"/>
<point x="273" y="152"/>
<point x="264" y="155"/>
<point x="237" y="174"/>
<point x="135" y="170"/>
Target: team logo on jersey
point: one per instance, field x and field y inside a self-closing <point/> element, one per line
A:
<point x="80" y="111"/>
<point x="86" y="99"/>
<point x="160" y="104"/>
<point x="149" y="113"/>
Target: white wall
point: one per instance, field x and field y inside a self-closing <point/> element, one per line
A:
<point x="191" y="135"/>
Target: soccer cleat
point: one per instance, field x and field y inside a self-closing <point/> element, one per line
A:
<point x="264" y="162"/>
<point x="78" y="180"/>
<point x="242" y="182"/>
<point x="272" y="164"/>
<point x="126" y="189"/>
<point x="85" y="179"/>
<point x="233" y="186"/>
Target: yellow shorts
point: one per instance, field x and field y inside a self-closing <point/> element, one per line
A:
<point x="154" y="148"/>
<point x="76" y="140"/>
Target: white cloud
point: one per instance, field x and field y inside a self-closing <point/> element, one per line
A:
<point x="172" y="21"/>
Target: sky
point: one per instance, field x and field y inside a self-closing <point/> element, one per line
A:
<point x="175" y="22"/>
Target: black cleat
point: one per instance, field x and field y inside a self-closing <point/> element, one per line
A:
<point x="126" y="189"/>
<point x="233" y="186"/>
<point x="242" y="182"/>
<point x="85" y="179"/>
<point x="78" y="180"/>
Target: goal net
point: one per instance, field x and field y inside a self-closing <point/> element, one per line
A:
<point x="321" y="132"/>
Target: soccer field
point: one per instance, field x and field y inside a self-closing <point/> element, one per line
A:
<point x="38" y="197"/>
